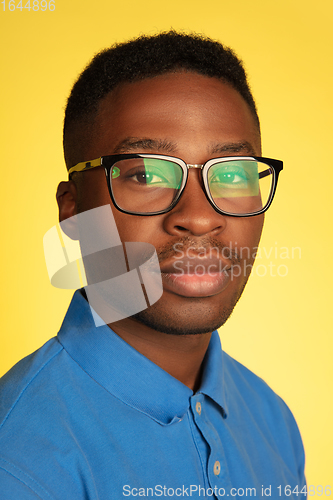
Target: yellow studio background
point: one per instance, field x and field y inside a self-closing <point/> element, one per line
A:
<point x="282" y="327"/>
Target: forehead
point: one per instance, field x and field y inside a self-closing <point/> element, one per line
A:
<point x="186" y="111"/>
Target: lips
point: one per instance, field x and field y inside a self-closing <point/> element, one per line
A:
<point x="196" y="277"/>
<point x="195" y="265"/>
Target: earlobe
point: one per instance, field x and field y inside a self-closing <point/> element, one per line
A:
<point x="67" y="202"/>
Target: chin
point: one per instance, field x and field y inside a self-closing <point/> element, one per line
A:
<point x="192" y="316"/>
<point x="192" y="320"/>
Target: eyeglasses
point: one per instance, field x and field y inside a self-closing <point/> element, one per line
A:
<point x="149" y="184"/>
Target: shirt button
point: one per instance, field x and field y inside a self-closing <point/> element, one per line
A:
<point x="217" y="468"/>
<point x="198" y="407"/>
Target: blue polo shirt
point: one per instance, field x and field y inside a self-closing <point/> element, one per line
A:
<point x="87" y="417"/>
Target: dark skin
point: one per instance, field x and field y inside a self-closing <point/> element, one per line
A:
<point x="195" y="118"/>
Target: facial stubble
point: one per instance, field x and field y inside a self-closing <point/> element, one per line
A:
<point x="189" y="320"/>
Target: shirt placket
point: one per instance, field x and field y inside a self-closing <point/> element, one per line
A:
<point x="216" y="469"/>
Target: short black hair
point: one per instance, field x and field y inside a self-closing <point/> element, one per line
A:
<point x="147" y="57"/>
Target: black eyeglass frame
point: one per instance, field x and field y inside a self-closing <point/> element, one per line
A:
<point x="109" y="161"/>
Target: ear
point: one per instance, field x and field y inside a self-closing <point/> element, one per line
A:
<point x="67" y="202"/>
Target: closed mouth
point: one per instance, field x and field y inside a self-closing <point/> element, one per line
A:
<point x="196" y="277"/>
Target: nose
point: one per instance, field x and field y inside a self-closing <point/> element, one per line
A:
<point x="193" y="214"/>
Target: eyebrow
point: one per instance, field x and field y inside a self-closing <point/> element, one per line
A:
<point x="145" y="144"/>
<point x="233" y="147"/>
<point x="164" y="146"/>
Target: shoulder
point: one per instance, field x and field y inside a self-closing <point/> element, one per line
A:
<point x="29" y="371"/>
<point x="244" y="385"/>
<point x="38" y="402"/>
<point x="260" y="405"/>
<point x="24" y="390"/>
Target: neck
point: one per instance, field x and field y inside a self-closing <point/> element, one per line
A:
<point x="179" y="355"/>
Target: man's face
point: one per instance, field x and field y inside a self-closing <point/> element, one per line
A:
<point x="194" y="118"/>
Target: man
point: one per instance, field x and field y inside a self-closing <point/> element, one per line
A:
<point x="165" y="131"/>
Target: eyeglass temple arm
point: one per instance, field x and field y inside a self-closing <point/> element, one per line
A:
<point x="264" y="173"/>
<point x="85" y="165"/>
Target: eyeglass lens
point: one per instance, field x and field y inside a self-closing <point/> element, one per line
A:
<point x="148" y="185"/>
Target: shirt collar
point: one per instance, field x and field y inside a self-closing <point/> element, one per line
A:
<point x="130" y="376"/>
<point x="213" y="380"/>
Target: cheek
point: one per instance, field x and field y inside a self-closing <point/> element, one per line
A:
<point x="245" y="233"/>
<point x="137" y="228"/>
<point x="93" y="192"/>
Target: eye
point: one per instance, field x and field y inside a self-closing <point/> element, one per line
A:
<point x="229" y="177"/>
<point x="134" y="173"/>
<point x="150" y="177"/>
<point x="156" y="173"/>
